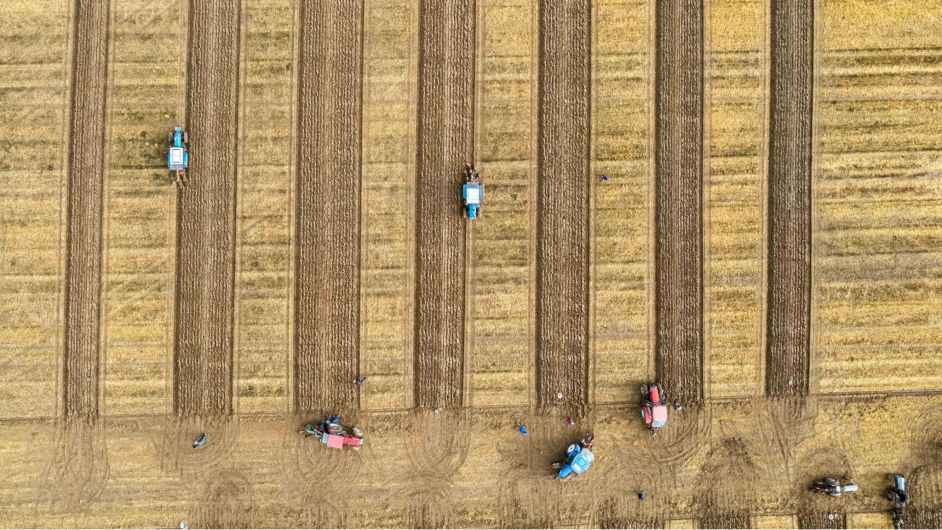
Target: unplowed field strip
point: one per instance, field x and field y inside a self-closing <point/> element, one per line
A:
<point x="678" y="198"/>
<point x="445" y="144"/>
<point x="85" y="208"/>
<point x="206" y="214"/>
<point x="562" y="250"/>
<point x="788" y="328"/>
<point x="327" y="289"/>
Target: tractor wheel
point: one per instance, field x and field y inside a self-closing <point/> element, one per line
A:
<point x="644" y="391"/>
<point x="186" y="138"/>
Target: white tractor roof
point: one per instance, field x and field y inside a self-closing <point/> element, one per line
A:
<point x="474" y="195"/>
<point x="176" y="155"/>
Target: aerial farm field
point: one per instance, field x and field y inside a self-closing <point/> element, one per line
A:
<point x="767" y="244"/>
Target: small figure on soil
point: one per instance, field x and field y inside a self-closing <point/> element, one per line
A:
<point x="359" y="381"/>
<point x="522" y="429"/>
<point x="678" y="407"/>
<point x="184" y="526"/>
<point x="559" y="396"/>
<point x="569" y="421"/>
<point x="641" y="496"/>
<point x="604" y="179"/>
<point x="199" y="442"/>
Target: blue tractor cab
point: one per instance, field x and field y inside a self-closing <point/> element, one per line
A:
<point x="579" y="458"/>
<point x="178" y="159"/>
<point x="472" y="193"/>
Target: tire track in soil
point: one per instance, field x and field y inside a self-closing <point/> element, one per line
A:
<point x="788" y="329"/>
<point x="327" y="288"/>
<point x="306" y="459"/>
<point x="79" y="469"/>
<point x="87" y="156"/>
<point x="206" y="209"/>
<point x="174" y="445"/>
<point x="684" y="435"/>
<point x="822" y="519"/>
<point x="722" y="502"/>
<point x="445" y="139"/>
<point x="227" y="501"/>
<point x="679" y="198"/>
<point x="562" y="248"/>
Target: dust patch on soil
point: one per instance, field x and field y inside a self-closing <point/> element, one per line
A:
<point x="562" y="248"/>
<point x="327" y="242"/>
<point x="79" y="468"/>
<point x="445" y="144"/>
<point x="788" y="329"/>
<point x="678" y="198"/>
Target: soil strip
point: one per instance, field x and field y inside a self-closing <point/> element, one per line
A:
<point x="833" y="519"/>
<point x="678" y="199"/>
<point x="445" y="139"/>
<point x="206" y="209"/>
<point x="562" y="250"/>
<point x="327" y="278"/>
<point x="788" y="346"/>
<point x="85" y="208"/>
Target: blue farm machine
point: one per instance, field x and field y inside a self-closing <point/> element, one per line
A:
<point x="579" y="458"/>
<point x="178" y="158"/>
<point x="472" y="193"/>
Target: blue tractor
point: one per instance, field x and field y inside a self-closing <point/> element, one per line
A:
<point x="472" y="193"/>
<point x="178" y="158"/>
<point x="578" y="459"/>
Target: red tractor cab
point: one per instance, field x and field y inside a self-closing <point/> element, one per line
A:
<point x="653" y="406"/>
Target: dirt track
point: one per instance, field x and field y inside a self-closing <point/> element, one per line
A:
<point x="822" y="519"/>
<point x="789" y="224"/>
<point x="445" y="145"/>
<point x="678" y="198"/>
<point x="85" y="208"/>
<point x="562" y="250"/>
<point x="327" y="285"/>
<point x="206" y="210"/>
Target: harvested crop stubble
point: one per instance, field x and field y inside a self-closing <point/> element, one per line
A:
<point x="562" y="250"/>
<point x="328" y="205"/>
<point x="206" y="214"/>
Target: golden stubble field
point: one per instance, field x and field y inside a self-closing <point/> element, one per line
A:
<point x="876" y="339"/>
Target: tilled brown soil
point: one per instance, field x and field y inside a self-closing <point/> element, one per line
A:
<point x="562" y="250"/>
<point x="327" y="277"/>
<point x="445" y="145"/>
<point x="822" y="519"/>
<point x="206" y="210"/>
<point x="788" y="328"/>
<point x="85" y="205"/>
<point x="725" y="520"/>
<point x="678" y="198"/>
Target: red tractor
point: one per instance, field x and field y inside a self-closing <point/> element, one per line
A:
<point x="653" y="406"/>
